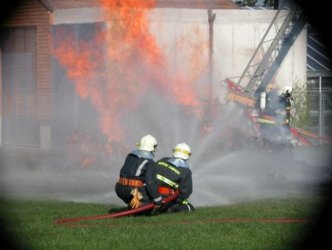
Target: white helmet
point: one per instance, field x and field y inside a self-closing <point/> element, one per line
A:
<point x="148" y="143"/>
<point x="182" y="151"/>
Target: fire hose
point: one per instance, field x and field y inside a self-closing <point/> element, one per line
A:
<point x="126" y="212"/>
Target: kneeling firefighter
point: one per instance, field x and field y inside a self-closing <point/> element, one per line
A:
<point x="173" y="173"/>
<point x="137" y="183"/>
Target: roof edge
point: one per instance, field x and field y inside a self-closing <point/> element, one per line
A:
<point x="48" y="5"/>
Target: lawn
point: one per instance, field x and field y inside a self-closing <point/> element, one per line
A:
<point x="262" y="224"/>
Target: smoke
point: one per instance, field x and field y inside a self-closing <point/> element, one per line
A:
<point x="221" y="174"/>
<point x="115" y="82"/>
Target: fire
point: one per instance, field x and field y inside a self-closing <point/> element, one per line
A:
<point x="123" y="62"/>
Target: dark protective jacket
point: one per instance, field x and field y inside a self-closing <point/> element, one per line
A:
<point x="285" y="102"/>
<point x="139" y="168"/>
<point x="180" y="178"/>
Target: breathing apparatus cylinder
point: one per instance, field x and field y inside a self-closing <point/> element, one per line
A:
<point x="262" y="102"/>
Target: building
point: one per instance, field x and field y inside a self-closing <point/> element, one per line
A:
<point x="38" y="101"/>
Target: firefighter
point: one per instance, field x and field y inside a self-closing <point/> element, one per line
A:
<point x="173" y="173"/>
<point x="137" y="184"/>
<point x="285" y="102"/>
<point x="284" y="114"/>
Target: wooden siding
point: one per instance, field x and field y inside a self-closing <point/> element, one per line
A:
<point x="33" y="13"/>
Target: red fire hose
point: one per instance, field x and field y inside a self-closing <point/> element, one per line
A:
<point x="147" y="207"/>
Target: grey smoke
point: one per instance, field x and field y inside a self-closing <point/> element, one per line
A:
<point x="221" y="176"/>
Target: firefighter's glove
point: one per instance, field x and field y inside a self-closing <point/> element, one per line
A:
<point x="136" y="200"/>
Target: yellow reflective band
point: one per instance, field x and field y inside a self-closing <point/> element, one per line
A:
<point x="260" y="120"/>
<point x="185" y="202"/>
<point x="164" y="164"/>
<point x="167" y="181"/>
<point x="182" y="151"/>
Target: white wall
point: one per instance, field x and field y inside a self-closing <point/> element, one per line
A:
<point x="183" y="35"/>
<point x="237" y="33"/>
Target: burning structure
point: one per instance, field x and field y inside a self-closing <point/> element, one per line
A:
<point x="99" y="74"/>
<point x="87" y="48"/>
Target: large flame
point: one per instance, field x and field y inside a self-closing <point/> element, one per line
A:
<point x="123" y="62"/>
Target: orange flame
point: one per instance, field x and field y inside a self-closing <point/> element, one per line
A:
<point x="125" y="65"/>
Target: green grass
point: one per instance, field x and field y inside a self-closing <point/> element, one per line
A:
<point x="31" y="225"/>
